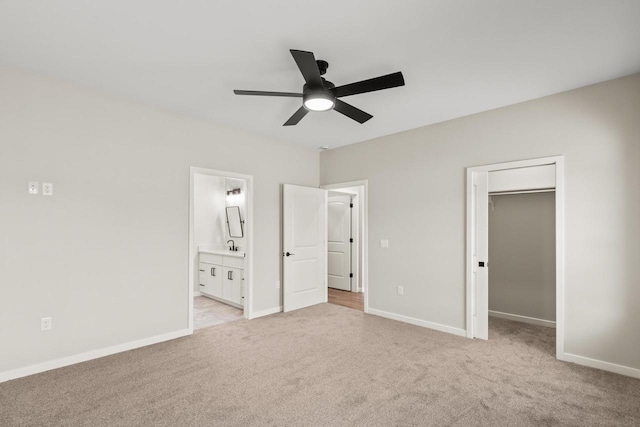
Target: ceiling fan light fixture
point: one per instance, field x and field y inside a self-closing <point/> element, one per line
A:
<point x="319" y="94"/>
<point x="318" y="102"/>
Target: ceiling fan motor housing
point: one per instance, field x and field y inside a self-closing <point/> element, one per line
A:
<point x="325" y="92"/>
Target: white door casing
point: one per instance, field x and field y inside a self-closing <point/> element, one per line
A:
<point x="339" y="242"/>
<point x="480" y="277"/>
<point x="304" y="239"/>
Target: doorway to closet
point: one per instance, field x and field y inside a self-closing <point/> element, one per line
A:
<point x="522" y="288"/>
<point x="515" y="251"/>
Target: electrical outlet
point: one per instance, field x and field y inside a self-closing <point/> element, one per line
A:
<point x="400" y="290"/>
<point x="277" y="284"/>
<point x="384" y="243"/>
<point x="33" y="187"/>
<point x="47" y="189"/>
<point x="46" y="324"/>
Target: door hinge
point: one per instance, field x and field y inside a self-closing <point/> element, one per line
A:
<point x="350" y="274"/>
<point x="351" y="205"/>
<point x="351" y="240"/>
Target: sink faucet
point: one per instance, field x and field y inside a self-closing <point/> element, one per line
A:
<point x="233" y="245"/>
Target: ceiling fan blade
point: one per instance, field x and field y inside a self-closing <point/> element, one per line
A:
<point x="351" y="111"/>
<point x="262" y="93"/>
<point x="370" y="85"/>
<point x="297" y="116"/>
<point x="308" y="67"/>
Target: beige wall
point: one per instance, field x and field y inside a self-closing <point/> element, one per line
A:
<point x="522" y="261"/>
<point x="417" y="201"/>
<point x="107" y="255"/>
<point x="209" y="220"/>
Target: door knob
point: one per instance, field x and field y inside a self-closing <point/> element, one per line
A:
<point x="289" y="254"/>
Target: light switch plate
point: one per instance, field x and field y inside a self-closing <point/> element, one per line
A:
<point x="33" y="187"/>
<point x="46" y="324"/>
<point x="47" y="189"/>
<point x="384" y="243"/>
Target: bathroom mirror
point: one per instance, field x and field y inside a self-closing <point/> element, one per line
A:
<point x="234" y="221"/>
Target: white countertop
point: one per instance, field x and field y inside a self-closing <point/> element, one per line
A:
<point x="206" y="250"/>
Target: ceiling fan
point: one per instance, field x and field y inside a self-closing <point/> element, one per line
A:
<point x="319" y="94"/>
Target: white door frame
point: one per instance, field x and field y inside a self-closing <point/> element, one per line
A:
<point x="248" y="228"/>
<point x="558" y="161"/>
<point x="356" y="248"/>
<point x="364" y="239"/>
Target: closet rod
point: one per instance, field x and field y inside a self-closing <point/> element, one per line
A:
<point x="538" y="190"/>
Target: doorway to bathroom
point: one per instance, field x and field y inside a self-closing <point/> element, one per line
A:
<point x="220" y="247"/>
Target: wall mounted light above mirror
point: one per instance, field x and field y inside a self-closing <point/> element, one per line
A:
<point x="233" y="196"/>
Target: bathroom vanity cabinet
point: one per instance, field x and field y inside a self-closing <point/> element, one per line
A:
<point x="221" y="276"/>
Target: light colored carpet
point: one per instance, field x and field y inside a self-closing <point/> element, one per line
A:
<point x="328" y="366"/>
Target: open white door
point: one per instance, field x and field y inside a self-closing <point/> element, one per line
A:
<point x="339" y="242"/>
<point x="480" y="278"/>
<point x="305" y="246"/>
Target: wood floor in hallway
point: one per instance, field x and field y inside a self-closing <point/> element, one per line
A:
<point x="353" y="300"/>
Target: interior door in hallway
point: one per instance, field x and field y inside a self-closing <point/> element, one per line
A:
<point x="339" y="242"/>
<point x="304" y="246"/>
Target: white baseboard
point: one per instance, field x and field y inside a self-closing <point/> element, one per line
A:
<point x="224" y="301"/>
<point x="523" y="319"/>
<point x="197" y="294"/>
<point x="419" y="322"/>
<point x="267" y="312"/>
<point x="89" y="355"/>
<point x="600" y="364"/>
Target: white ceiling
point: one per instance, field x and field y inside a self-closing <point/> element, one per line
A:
<point x="457" y="57"/>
